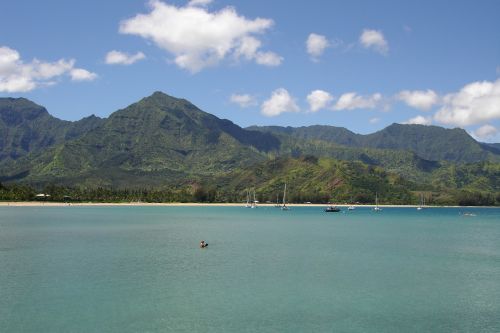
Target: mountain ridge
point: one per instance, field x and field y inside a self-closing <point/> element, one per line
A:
<point x="14" y="110"/>
<point x="429" y="142"/>
<point x="165" y="142"/>
<point x="157" y="133"/>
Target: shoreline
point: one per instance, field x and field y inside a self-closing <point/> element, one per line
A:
<point x="195" y="204"/>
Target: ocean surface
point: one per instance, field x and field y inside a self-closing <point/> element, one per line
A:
<point x="140" y="269"/>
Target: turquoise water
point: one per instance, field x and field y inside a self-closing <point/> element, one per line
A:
<point x="139" y="269"/>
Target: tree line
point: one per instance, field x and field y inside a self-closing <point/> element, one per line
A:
<point x="212" y="194"/>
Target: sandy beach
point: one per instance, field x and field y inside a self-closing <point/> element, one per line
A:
<point x="182" y="204"/>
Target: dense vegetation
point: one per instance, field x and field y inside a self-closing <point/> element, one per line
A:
<point x="163" y="149"/>
<point x="309" y="179"/>
<point x="429" y="142"/>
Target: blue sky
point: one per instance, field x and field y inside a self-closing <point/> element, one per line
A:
<point x="357" y="64"/>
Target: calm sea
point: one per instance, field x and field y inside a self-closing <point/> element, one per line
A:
<point x="139" y="269"/>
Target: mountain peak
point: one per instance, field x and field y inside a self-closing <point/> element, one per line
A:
<point x="160" y="100"/>
<point x="161" y="96"/>
<point x="159" y="93"/>
<point x="20" y="104"/>
<point x="17" y="110"/>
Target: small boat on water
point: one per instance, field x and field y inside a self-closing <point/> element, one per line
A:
<point x="277" y="201"/>
<point x="468" y="214"/>
<point x="351" y="206"/>
<point x="254" y="202"/>
<point x="248" y="200"/>
<point x="284" y="206"/>
<point x="332" y="209"/>
<point x="422" y="202"/>
<point x="376" y="208"/>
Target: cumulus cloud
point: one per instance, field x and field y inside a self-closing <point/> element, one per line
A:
<point x="419" y="120"/>
<point x="486" y="131"/>
<point x="279" y="102"/>
<point x="249" y="49"/>
<point x="121" y="58"/>
<point x="419" y="99"/>
<point x="316" y="45"/>
<point x="198" y="38"/>
<point x="319" y="99"/>
<point x="374" y="39"/>
<point x="268" y="58"/>
<point x="243" y="100"/>
<point x="351" y="101"/>
<point x="19" y="76"/>
<point x="475" y="103"/>
<point x="80" y="74"/>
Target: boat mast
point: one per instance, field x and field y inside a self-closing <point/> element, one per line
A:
<point x="284" y="196"/>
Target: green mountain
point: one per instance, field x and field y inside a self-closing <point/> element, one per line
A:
<point x="166" y="144"/>
<point x="314" y="179"/>
<point x="338" y="135"/>
<point x="325" y="179"/>
<point x="26" y="127"/>
<point x="428" y="142"/>
<point x="155" y="141"/>
<point x="431" y="142"/>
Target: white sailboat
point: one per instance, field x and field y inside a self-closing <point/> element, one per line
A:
<point x="254" y="202"/>
<point x="277" y="201"/>
<point x="376" y="208"/>
<point x="284" y="206"/>
<point x="248" y="200"/>
<point x="351" y="206"/>
<point x="422" y="202"/>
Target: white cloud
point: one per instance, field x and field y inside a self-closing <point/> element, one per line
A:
<point x="47" y="70"/>
<point x="319" y="99"/>
<point x="279" y="102"/>
<point x="316" y="45"/>
<point x="243" y="100"/>
<point x="18" y="76"/>
<point x="198" y="38"/>
<point x="249" y="49"/>
<point x="351" y="101"/>
<point x="374" y="39"/>
<point x="121" y="58"/>
<point x="374" y="120"/>
<point x="201" y="3"/>
<point x="419" y="99"/>
<point x="475" y="103"/>
<point x="419" y="120"/>
<point x="485" y="132"/>
<point x="268" y="58"/>
<point x="80" y="74"/>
